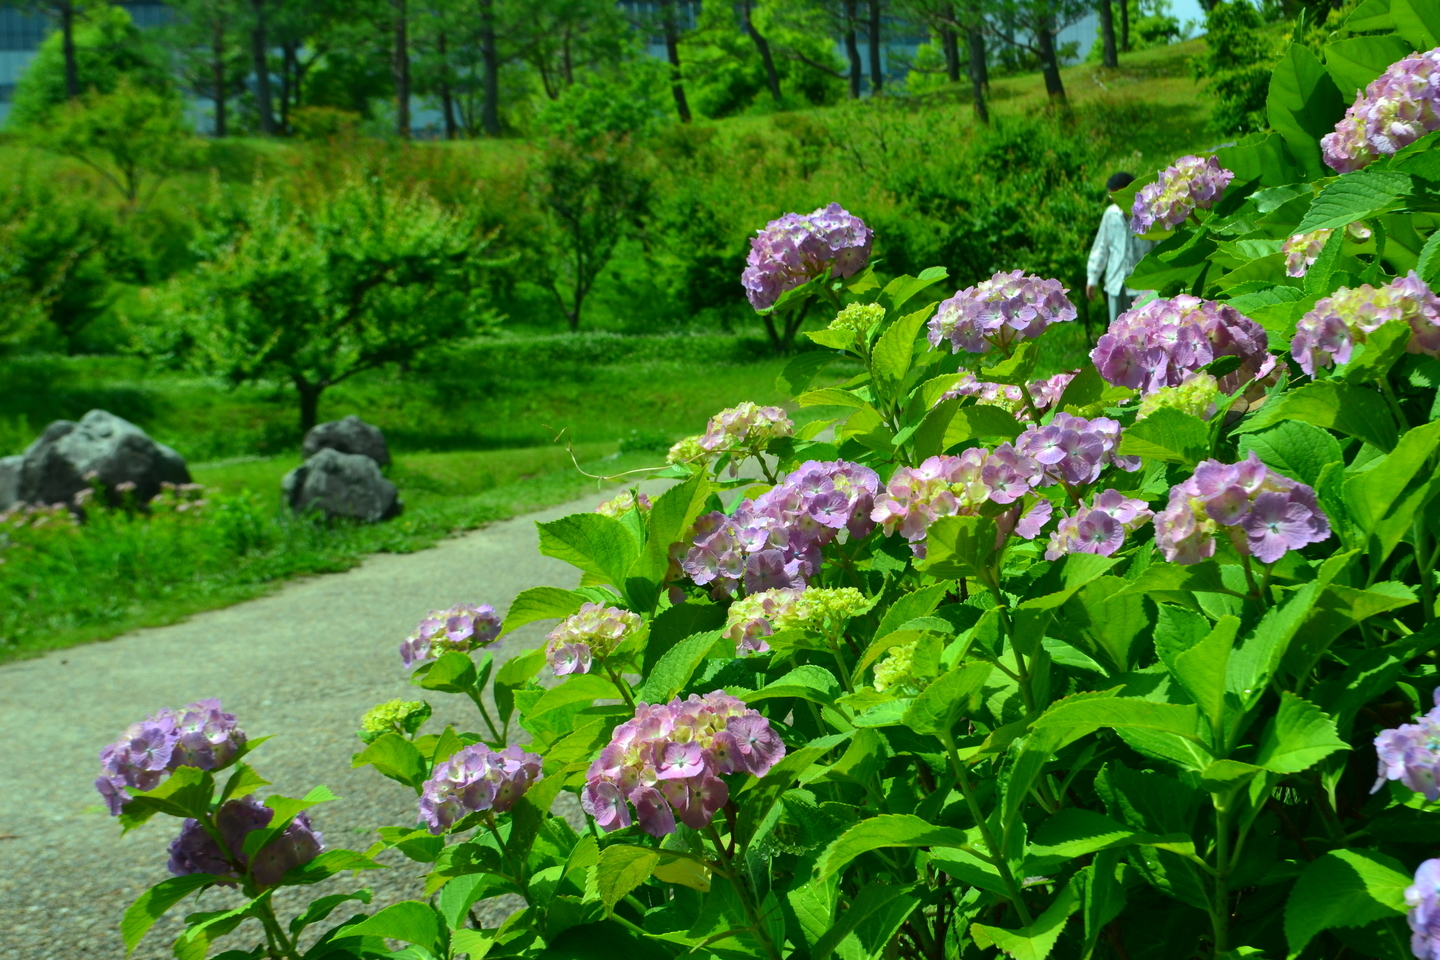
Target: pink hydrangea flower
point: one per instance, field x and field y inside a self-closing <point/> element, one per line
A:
<point x="795" y="249"/>
<point x="595" y="630"/>
<point x="1163" y="342"/>
<point x="1398" y="107"/>
<point x="999" y="312"/>
<point x="1190" y="184"/>
<point x="1099" y="528"/>
<point x="464" y="627"/>
<point x="1328" y="333"/>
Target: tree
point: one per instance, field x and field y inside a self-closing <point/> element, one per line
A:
<point x="260" y="63"/>
<point x="872" y="35"/>
<point x="762" y="46"/>
<point x="1125" y="25"/>
<point x="1042" y="20"/>
<point x="64" y="12"/>
<point x="314" y="290"/>
<point x="210" y="61"/>
<point x="400" y="67"/>
<point x="130" y="137"/>
<point x="947" y="20"/>
<point x="1107" y="34"/>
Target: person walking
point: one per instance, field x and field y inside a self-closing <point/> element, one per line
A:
<point x="1114" y="253"/>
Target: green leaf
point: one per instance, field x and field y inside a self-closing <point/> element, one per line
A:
<point x="899" y="291"/>
<point x="1037" y="940"/>
<point x="577" y="689"/>
<point x="803" y="368"/>
<point x="540" y="603"/>
<point x="1202" y="669"/>
<point x="593" y="542"/>
<point x="1298" y="450"/>
<point x="886" y="830"/>
<point x="890" y="358"/>
<point x="244" y="780"/>
<point x="409" y="921"/>
<point x="674" y="670"/>
<point x="185" y="793"/>
<point x="1077" y="832"/>
<point x="621" y="869"/>
<point x="941" y="705"/>
<point x="286" y="809"/>
<point x="1385" y="499"/>
<point x="1418" y="21"/>
<point x="151" y="905"/>
<point x="1169" y="435"/>
<point x="1303" y="105"/>
<point x="321" y="908"/>
<point x="1380" y="351"/>
<point x="1075" y="717"/>
<point x="1352" y="410"/>
<point x="1429" y="265"/>
<point x="1203" y="577"/>
<point x="1371" y="16"/>
<point x="1344" y="888"/>
<point x="453" y="672"/>
<point x="475" y="944"/>
<point x="1353" y="63"/>
<point x="874" y="899"/>
<point x="1108" y="625"/>
<point x="675" y="624"/>
<point x="808" y="682"/>
<point x="830" y="397"/>
<point x="958" y="547"/>
<point x="1357" y="196"/>
<point x="1263" y="649"/>
<point x="670" y="516"/>
<point x="395" y="757"/>
<point x="1298" y="737"/>
<point x="981" y="420"/>
<point x="327" y="865"/>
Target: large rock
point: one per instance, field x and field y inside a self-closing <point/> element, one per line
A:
<point x="10" y="480"/>
<point x="351" y="435"/>
<point x="56" y="465"/>
<point x="341" y="485"/>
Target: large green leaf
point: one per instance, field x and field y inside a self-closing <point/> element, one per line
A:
<point x="675" y="624"/>
<point x="1202" y="669"/>
<point x="941" y="705"/>
<point x="1298" y="450"/>
<point x="1298" y="737"/>
<point x="674" y="670"/>
<point x="899" y="291"/>
<point x="1380" y="351"/>
<point x="1037" y="940"/>
<point x="890" y="358"/>
<point x="808" y="682"/>
<point x="802" y="368"/>
<point x="1357" y="196"/>
<point x="1076" y="832"/>
<point x="1108" y="625"/>
<point x="151" y="905"/>
<point x="1353" y="63"/>
<point x="670" y="516"/>
<point x="409" y="921"/>
<point x="1418" y="21"/>
<point x="1075" y="717"/>
<point x="1352" y="410"/>
<point x="958" y="547"/>
<point x="1344" y="888"/>
<point x="1172" y="436"/>
<point x="454" y="672"/>
<point x="286" y="809"/>
<point x="621" y="869"/>
<point x="1385" y="499"/>
<point x="875" y="899"/>
<point x="540" y="603"/>
<point x="1303" y="105"/>
<point x="593" y="542"/>
<point x="886" y="830"/>
<point x="1264" y="647"/>
<point x="185" y="793"/>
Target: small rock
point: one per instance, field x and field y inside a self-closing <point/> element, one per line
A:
<point x="54" y="467"/>
<point x="341" y="485"/>
<point x="351" y="435"/>
<point x="10" y="480"/>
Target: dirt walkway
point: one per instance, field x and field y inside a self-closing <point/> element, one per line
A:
<point x="303" y="664"/>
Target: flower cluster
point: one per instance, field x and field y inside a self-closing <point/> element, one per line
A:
<point x="1099" y="528"/>
<point x="751" y="619"/>
<point x="623" y="503"/>
<point x="1303" y="249"/>
<point x="1000" y="311"/>
<point x="1198" y="396"/>
<point x="475" y="779"/>
<point x="859" y="318"/>
<point x="1411" y="753"/>
<point x="1072" y="450"/>
<point x="897" y="669"/>
<point x="464" y="627"/>
<point x="200" y="735"/>
<point x="1189" y="184"/>
<point x="1163" y="342"/>
<point x="195" y="850"/>
<point x="949" y="486"/>
<point x="795" y="249"/>
<point x="1266" y="514"/>
<point x="667" y="762"/>
<point x="688" y="450"/>
<point x="394" y="716"/>
<point x="594" y="631"/>
<point x="1398" y="107"/>
<point x="1044" y="394"/>
<point x="775" y="540"/>
<point x="1423" y="899"/>
<point x="745" y="427"/>
<point x="1329" y="332"/>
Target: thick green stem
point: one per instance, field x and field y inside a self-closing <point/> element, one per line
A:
<point x="996" y="854"/>
<point x="516" y="867"/>
<point x="1026" y="693"/>
<point x="266" y="914"/>
<point x="743" y="891"/>
<point x="620" y="685"/>
<point x="485" y="714"/>
<point x="1220" y="902"/>
<point x="1401" y="421"/>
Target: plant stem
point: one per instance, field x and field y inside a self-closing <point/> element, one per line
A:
<point x="620" y="685"/>
<point x="485" y="714"/>
<point x="997" y="855"/>
<point x="1026" y="693"/>
<point x="1401" y="420"/>
<point x="1427" y="572"/>
<point x="1220" y="903"/>
<point x="738" y="882"/>
<point x="1256" y="593"/>
<point x="517" y="867"/>
<point x="266" y="915"/>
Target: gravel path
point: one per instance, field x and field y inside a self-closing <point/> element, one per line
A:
<point x="302" y="664"/>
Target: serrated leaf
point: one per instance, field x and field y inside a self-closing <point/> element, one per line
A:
<point x="1303" y="104"/>
<point x="1299" y="736"/>
<point x="151" y="905"/>
<point x="1352" y="410"/>
<point x="1036" y="941"/>
<point x="540" y="603"/>
<point x="1357" y="196"/>
<point x="621" y="869"/>
<point x="395" y="757"/>
<point x="286" y="809"/>
<point x="958" y="547"/>
<point x="890" y="357"/>
<point x="1170" y="435"/>
<point x="1356" y="61"/>
<point x="1297" y="450"/>
<point x="941" y="704"/>
<point x="830" y="397"/>
<point x="1344" y="888"/>
<point x="594" y="543"/>
<point x="886" y="830"/>
<point x="409" y="921"/>
<point x="899" y="291"/>
<point x="803" y="368"/>
<point x="808" y="682"/>
<point x="453" y="672"/>
<point x="674" y="670"/>
<point x="1380" y="351"/>
<point x="684" y="871"/>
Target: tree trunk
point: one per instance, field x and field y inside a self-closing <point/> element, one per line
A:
<point x="1125" y="25"/>
<point x="490" y="109"/>
<point x="772" y="76"/>
<point x="1107" y="34"/>
<point x="672" y="53"/>
<point x="217" y="73"/>
<point x="877" y="77"/>
<point x="447" y="101"/>
<point x="951" y="45"/>
<point x="289" y="88"/>
<point x="978" y="73"/>
<point x="400" y="67"/>
<point x="1049" y="63"/>
<point x="258" y="48"/>
<point x="309" y="403"/>
<point x="852" y="49"/>
<point x="72" y="70"/>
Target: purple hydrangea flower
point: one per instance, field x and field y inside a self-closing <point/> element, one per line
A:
<point x="464" y="627"/>
<point x="1099" y="528"/>
<point x="1265" y="514"/>
<point x="1044" y="394"/>
<point x="195" y="850"/>
<point x="1328" y="333"/>
<point x="776" y="539"/>
<point x="667" y="762"/>
<point x="1074" y="451"/>
<point x="1163" y="342"/>
<point x="1303" y="249"/>
<point x="475" y="779"/>
<point x="1410" y="753"/>
<point x="1423" y="899"/>
<point x="745" y="427"/>
<point x="199" y="735"/>
<point x="795" y="249"/>
<point x="1398" y="107"/>
<point x="999" y="312"/>
<point x="1189" y="184"/>
<point x="595" y="630"/>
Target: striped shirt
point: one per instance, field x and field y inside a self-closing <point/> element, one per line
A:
<point x="1115" y="252"/>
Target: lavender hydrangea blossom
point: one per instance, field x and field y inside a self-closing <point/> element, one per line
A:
<point x="1074" y="451"/>
<point x="1423" y="899"/>
<point x="1328" y="333"/>
<point x="795" y="249"/>
<point x="476" y="779"/>
<point x="1163" y="342"/>
<point x="745" y="427"/>
<point x="1099" y="528"/>
<point x="1044" y="394"/>
<point x="200" y="734"/>
<point x="1397" y="108"/>
<point x="464" y="627"/>
<point x="1264" y="513"/>
<point x="594" y="631"/>
<point x="195" y="850"/>
<point x="1410" y="753"/>
<point x="1190" y="184"/>
<point x="1303" y="249"/>
<point x="668" y="762"/>
<point x="999" y="312"/>
<point x="776" y="539"/>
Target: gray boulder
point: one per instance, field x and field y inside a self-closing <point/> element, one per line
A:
<point x="10" y="480"/>
<point x="115" y="450"/>
<point x="341" y="485"/>
<point x="351" y="435"/>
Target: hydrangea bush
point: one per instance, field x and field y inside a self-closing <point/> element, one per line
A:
<point x="988" y="660"/>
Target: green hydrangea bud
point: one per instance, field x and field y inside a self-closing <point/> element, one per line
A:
<point x="896" y="668"/>
<point x="688" y="450"/>
<point x="1196" y="396"/>
<point x="860" y="318"/>
<point x="395" y="716"/>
